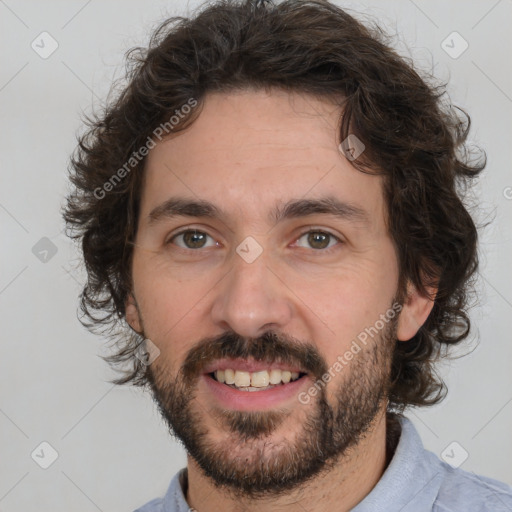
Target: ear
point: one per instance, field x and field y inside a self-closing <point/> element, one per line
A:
<point x="132" y="314"/>
<point x="415" y="311"/>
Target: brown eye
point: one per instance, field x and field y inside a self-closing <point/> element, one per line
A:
<point x="192" y="239"/>
<point x="317" y="240"/>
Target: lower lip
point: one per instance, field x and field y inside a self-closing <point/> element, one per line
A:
<point x="232" y="398"/>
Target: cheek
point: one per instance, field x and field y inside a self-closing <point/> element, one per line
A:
<point x="340" y="306"/>
<point x="167" y="306"/>
<point x="166" y="292"/>
<point x="170" y="307"/>
<point x="353" y="299"/>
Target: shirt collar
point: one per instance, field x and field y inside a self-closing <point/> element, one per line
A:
<point x="411" y="481"/>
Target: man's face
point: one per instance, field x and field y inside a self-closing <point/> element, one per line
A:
<point x="262" y="284"/>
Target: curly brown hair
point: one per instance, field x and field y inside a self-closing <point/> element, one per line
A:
<point x="413" y="137"/>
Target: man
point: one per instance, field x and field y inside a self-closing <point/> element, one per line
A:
<point x="271" y="207"/>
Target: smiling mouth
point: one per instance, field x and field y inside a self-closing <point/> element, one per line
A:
<point x="255" y="381"/>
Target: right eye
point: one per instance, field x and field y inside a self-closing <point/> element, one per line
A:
<point x="192" y="239"/>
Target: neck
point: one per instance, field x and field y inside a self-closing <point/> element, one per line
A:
<point x="349" y="481"/>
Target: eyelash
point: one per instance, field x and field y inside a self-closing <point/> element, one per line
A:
<point x="322" y="231"/>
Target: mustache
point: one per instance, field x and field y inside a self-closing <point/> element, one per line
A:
<point x="271" y="347"/>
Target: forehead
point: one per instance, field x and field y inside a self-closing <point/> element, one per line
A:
<point x="252" y="150"/>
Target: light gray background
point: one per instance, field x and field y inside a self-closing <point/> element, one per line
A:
<point x="114" y="451"/>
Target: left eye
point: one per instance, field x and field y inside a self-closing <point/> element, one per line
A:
<point x="192" y="239"/>
<point x="318" y="240"/>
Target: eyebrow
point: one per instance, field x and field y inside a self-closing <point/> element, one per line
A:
<point x="292" y="209"/>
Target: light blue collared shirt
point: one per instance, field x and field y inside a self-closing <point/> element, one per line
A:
<point x="416" y="480"/>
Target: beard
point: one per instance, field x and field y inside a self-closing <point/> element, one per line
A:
<point x="242" y="452"/>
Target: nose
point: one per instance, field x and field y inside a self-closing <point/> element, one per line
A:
<point x="251" y="299"/>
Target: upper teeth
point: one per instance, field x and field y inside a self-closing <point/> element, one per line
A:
<point x="259" y="379"/>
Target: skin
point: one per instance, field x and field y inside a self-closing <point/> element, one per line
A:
<point x="247" y="152"/>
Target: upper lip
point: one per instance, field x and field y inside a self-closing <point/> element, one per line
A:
<point x="249" y="366"/>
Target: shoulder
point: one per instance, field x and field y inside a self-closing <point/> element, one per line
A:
<point x="436" y="486"/>
<point x="475" y="493"/>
